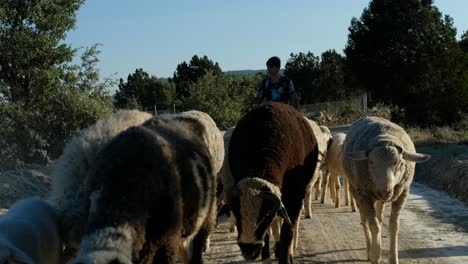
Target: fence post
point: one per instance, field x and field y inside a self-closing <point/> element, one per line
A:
<point x="174" y="109"/>
<point x="155" y="110"/>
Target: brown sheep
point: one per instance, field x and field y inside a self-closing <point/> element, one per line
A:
<point x="272" y="154"/>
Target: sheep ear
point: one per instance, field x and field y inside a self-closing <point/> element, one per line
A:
<point x="416" y="157"/>
<point x="278" y="206"/>
<point x="360" y="155"/>
<point x="284" y="214"/>
<point x="276" y="202"/>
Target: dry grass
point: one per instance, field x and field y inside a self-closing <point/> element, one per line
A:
<point x="455" y="134"/>
<point x="350" y="115"/>
<point x="438" y="135"/>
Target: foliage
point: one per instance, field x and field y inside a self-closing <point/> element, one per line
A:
<point x="303" y="70"/>
<point x="142" y="91"/>
<point x="186" y="74"/>
<point x="464" y="42"/>
<point x="332" y="76"/>
<point x="404" y="52"/>
<point x="224" y="98"/>
<point x="317" y="79"/>
<point x="44" y="98"/>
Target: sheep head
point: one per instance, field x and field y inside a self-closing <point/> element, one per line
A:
<point x="385" y="166"/>
<point x="110" y="245"/>
<point x="255" y="203"/>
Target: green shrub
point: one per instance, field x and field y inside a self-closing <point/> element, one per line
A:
<point x="37" y="132"/>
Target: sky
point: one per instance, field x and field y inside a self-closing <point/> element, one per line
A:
<point x="238" y="34"/>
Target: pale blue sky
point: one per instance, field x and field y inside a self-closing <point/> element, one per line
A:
<point x="239" y="34"/>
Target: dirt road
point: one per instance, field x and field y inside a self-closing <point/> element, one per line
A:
<point x="434" y="229"/>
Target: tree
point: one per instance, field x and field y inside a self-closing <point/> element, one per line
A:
<point x="31" y="48"/>
<point x="191" y="72"/>
<point x="144" y="91"/>
<point x="332" y="76"/>
<point x="404" y="52"/>
<point x="44" y="98"/>
<point x="464" y="42"/>
<point x="303" y="70"/>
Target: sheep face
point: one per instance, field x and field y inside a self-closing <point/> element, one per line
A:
<point x="254" y="205"/>
<point x="102" y="257"/>
<point x="110" y="245"/>
<point x="386" y="165"/>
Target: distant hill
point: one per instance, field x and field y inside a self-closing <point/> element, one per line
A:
<point x="248" y="72"/>
<point x="244" y="72"/>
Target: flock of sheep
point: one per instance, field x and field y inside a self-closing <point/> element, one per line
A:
<point x="134" y="188"/>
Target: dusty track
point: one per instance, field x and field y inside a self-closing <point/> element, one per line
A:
<point x="434" y="229"/>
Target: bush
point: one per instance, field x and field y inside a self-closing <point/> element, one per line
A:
<point x="224" y="98"/>
<point x="37" y="132"/>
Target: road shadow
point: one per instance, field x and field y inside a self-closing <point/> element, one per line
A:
<point x="450" y="251"/>
<point x="441" y="206"/>
<point x="308" y="258"/>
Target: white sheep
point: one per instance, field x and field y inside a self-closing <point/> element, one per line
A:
<point x="379" y="161"/>
<point x="323" y="136"/>
<point x="29" y="234"/>
<point x="76" y="164"/>
<point x="212" y="136"/>
<point x="225" y="177"/>
<point x="335" y="169"/>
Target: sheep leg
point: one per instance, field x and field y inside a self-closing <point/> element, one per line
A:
<point x="325" y="186"/>
<point x="346" y="190"/>
<point x="379" y="208"/>
<point x="201" y="241"/>
<point x="184" y="252"/>
<point x="276" y="228"/>
<point x="296" y="236"/>
<point x="266" y="250"/>
<point x="307" y="200"/>
<point x="365" y="227"/>
<point x="232" y="222"/>
<point x="353" y="205"/>
<point x="286" y="244"/>
<point x="368" y="212"/>
<point x="337" y="190"/>
<point x="332" y="187"/>
<point x="198" y="245"/>
<point x="318" y="186"/>
<point x="394" y="227"/>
